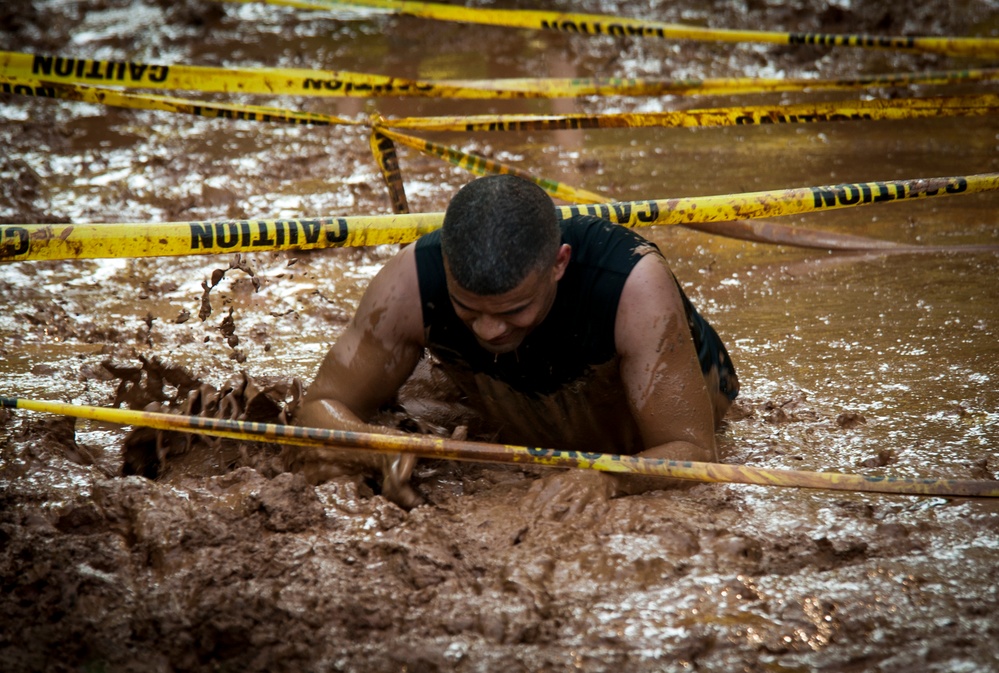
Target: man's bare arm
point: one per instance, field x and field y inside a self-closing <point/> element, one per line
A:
<point x="375" y="354"/>
<point x="659" y="367"/>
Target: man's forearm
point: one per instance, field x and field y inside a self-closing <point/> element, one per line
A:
<point x="627" y="484"/>
<point x="327" y="413"/>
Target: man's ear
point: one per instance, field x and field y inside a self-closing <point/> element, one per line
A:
<point x="562" y="260"/>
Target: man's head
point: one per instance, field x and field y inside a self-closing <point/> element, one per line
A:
<point x="496" y="231"/>
<point x="503" y="257"/>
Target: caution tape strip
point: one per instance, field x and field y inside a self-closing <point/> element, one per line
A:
<point x="757" y="231"/>
<point x="300" y="82"/>
<point x="266" y="81"/>
<point x="383" y="149"/>
<point x="22" y="242"/>
<point x="424" y="446"/>
<point x="805" y="113"/>
<point x="478" y="165"/>
<point x="873" y="110"/>
<point x="601" y="24"/>
<point x="611" y="86"/>
<point x="115" y="98"/>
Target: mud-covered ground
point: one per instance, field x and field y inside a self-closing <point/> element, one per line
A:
<point x="861" y="363"/>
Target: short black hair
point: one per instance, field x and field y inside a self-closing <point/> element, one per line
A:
<point x="498" y="229"/>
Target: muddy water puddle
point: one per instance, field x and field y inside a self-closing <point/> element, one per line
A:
<point x="860" y="363"/>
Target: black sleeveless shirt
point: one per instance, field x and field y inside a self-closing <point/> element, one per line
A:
<point x="565" y="371"/>
<point x="578" y="332"/>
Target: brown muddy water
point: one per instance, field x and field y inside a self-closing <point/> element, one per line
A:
<point x="860" y="363"/>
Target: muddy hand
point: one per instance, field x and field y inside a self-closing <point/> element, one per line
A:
<point x="571" y="494"/>
<point x="395" y="484"/>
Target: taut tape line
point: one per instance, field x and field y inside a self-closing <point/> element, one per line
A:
<point x="602" y="24"/>
<point x="320" y="439"/>
<point x="22" y="242"/>
<point x="803" y="113"/>
<point x="265" y="81"/>
<point x="300" y="82"/>
<point x="875" y="110"/>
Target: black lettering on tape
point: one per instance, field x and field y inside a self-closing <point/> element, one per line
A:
<point x="622" y="212"/>
<point x="136" y="71"/>
<point x="64" y="67"/>
<point x="95" y="70"/>
<point x="7" y="241"/>
<point x="960" y="185"/>
<point x="201" y="235"/>
<point x="311" y="230"/>
<point x="340" y="235"/>
<point x="823" y="197"/>
<point x="652" y="213"/>
<point x="159" y="73"/>
<point x="226" y="234"/>
<point x="882" y="192"/>
<point x="42" y="65"/>
<point x="845" y="194"/>
<point x="263" y="238"/>
<point x="25" y="90"/>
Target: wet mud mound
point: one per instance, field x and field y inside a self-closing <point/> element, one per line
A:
<point x="225" y="560"/>
<point x="160" y="387"/>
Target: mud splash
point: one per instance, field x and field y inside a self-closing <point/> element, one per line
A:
<point x="875" y="364"/>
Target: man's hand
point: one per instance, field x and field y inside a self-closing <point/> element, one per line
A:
<point x="571" y="494"/>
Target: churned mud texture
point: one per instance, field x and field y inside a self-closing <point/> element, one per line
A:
<point x="134" y="550"/>
<point x="185" y="553"/>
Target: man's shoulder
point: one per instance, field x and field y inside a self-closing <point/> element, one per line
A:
<point x="596" y="241"/>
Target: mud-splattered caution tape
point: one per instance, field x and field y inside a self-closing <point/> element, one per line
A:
<point x="600" y="24"/>
<point x="805" y="113"/>
<point x="267" y="81"/>
<point x="479" y="165"/>
<point x="115" y="98"/>
<point x="610" y="86"/>
<point x="87" y="241"/>
<point x="300" y="82"/>
<point x="320" y="439"/>
<point x="874" y="110"/>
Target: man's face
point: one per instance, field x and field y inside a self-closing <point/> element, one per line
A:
<point x="501" y="322"/>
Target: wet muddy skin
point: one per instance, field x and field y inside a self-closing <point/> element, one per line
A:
<point x="862" y="363"/>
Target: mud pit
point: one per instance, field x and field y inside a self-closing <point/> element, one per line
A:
<point x="874" y="364"/>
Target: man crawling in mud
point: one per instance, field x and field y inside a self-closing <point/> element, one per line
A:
<point x="571" y="335"/>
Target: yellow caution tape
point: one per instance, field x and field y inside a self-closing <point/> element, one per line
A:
<point x="478" y="165"/>
<point x="611" y="86"/>
<point x="300" y="82"/>
<point x="805" y="113"/>
<point x="388" y="162"/>
<point x="873" y="110"/>
<point x="600" y="24"/>
<point x="758" y="231"/>
<point x="113" y="97"/>
<point x="21" y="242"/>
<point x="267" y="81"/>
<point x="425" y="446"/>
